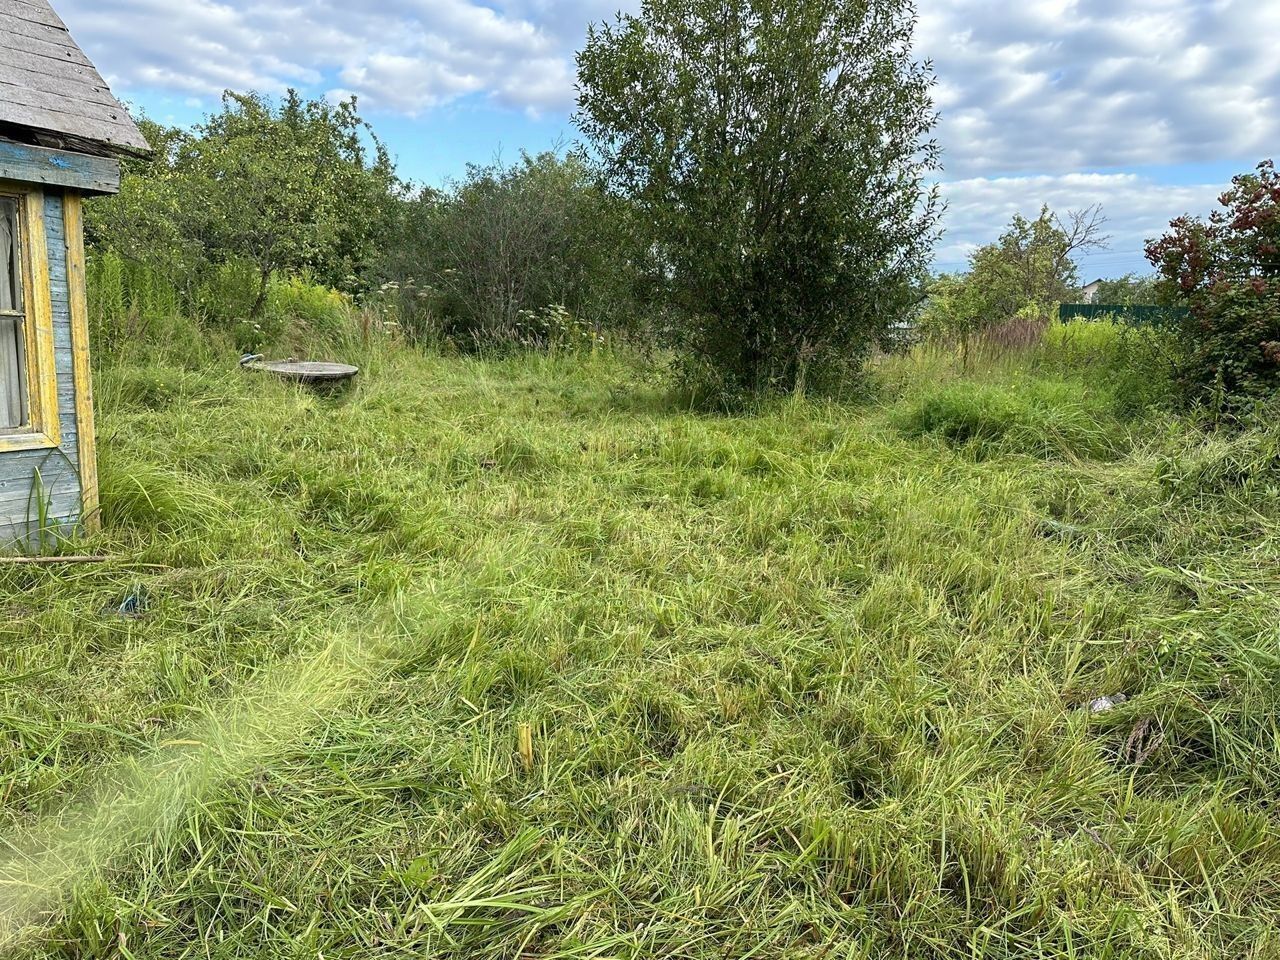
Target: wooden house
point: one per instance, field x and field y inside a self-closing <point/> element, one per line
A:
<point x="61" y="134"/>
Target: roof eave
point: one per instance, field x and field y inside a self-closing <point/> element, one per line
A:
<point x="136" y="147"/>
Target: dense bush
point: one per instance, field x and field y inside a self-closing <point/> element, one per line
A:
<point x="1226" y="272"/>
<point x="778" y="161"/>
<point x="260" y="190"/>
<point x="473" y="264"/>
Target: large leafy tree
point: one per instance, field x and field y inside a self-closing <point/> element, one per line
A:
<point x="145" y="221"/>
<point x="273" y="186"/>
<point x="777" y="156"/>
<point x="287" y="187"/>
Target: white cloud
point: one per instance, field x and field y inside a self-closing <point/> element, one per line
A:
<point x="1043" y="86"/>
<point x="1031" y="92"/>
<point x="405" y="56"/>
<point x="1053" y="86"/>
<point x="408" y="83"/>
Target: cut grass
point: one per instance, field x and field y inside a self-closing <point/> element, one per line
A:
<point x="507" y="659"/>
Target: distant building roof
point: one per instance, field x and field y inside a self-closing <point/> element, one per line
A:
<point x="50" y="93"/>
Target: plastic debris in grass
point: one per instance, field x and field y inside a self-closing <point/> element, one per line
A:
<point x="134" y="606"/>
<point x="1107" y="704"/>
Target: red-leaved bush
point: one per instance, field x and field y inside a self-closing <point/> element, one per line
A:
<point x="1225" y="271"/>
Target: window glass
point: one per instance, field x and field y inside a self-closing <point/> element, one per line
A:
<point x="10" y="274"/>
<point x="13" y="354"/>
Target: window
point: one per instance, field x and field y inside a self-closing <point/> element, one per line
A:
<point x="28" y="375"/>
<point x="14" y="404"/>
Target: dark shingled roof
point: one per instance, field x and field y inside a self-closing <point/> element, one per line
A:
<point x="50" y="94"/>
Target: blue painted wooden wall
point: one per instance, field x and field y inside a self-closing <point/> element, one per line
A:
<point x="59" y="470"/>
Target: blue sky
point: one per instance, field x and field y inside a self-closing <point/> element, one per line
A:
<point x="1145" y="106"/>
<point x="430" y="148"/>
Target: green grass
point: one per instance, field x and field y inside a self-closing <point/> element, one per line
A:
<point x="1036" y="417"/>
<point x="513" y="658"/>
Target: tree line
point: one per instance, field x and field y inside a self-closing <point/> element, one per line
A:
<point x="754" y="191"/>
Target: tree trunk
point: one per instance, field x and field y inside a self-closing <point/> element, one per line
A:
<point x="263" y="289"/>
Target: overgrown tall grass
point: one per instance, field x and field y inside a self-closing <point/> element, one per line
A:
<point x="515" y="658"/>
<point x="136" y="312"/>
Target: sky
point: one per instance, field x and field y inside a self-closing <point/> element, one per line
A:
<point x="1147" y="107"/>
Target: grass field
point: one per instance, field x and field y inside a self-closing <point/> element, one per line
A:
<point x="516" y="658"/>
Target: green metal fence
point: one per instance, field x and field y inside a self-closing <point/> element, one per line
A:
<point x="1135" y="316"/>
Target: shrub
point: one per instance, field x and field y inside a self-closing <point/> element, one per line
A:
<point x="1226" y="272"/>
<point x="777" y="159"/>
<point x="510" y="241"/>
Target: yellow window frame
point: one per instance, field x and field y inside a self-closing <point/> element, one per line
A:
<point x="44" y="428"/>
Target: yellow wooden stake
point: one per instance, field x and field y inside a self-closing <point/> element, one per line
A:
<point x="526" y="746"/>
